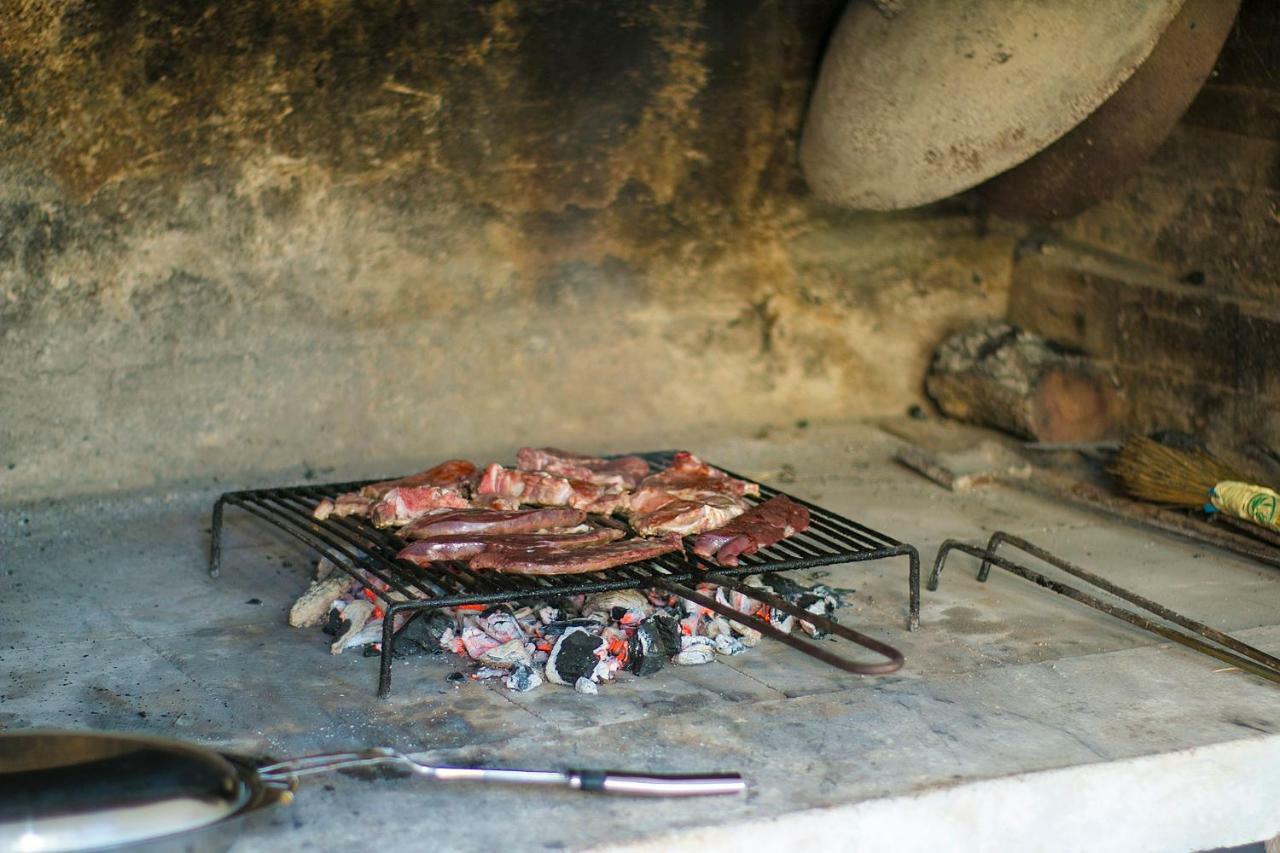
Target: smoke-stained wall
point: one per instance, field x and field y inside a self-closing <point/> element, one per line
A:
<point x="240" y="237"/>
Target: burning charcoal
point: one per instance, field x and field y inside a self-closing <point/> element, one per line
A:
<point x="586" y="686"/>
<point x="355" y="614"/>
<point x="501" y="624"/>
<point x="556" y="629"/>
<point x="646" y="651"/>
<point x="575" y="654"/>
<point x="369" y="634"/>
<point x="334" y="624"/>
<point x="486" y="672"/>
<point x="313" y="604"/>
<point x="523" y="678"/>
<point x="476" y="641"/>
<point x="717" y="626"/>
<point x="784" y="622"/>
<point x="548" y="615"/>
<point x="819" y="606"/>
<point x="695" y="650"/>
<point x="749" y="637"/>
<point x="614" y="605"/>
<point x="726" y="644"/>
<point x="507" y="655"/>
<point x="422" y="635"/>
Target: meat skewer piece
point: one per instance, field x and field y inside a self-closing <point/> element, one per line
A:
<point x="453" y="474"/>
<point x="502" y="485"/>
<point x="472" y="521"/>
<point x="624" y="472"/>
<point x="759" y="527"/>
<point x="543" y="560"/>
<point x="404" y="504"/>
<point x="687" y="517"/>
<point x="463" y="546"/>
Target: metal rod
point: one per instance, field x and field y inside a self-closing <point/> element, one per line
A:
<point x="1206" y="631"/>
<point x="769" y="630"/>
<point x="215" y="538"/>
<point x="987" y="555"/>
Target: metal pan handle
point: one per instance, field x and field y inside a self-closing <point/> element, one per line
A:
<point x="894" y="657"/>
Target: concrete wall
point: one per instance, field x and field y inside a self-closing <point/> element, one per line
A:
<point x="248" y="240"/>
<point x="1175" y="281"/>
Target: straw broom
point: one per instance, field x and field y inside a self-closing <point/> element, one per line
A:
<point x="1161" y="474"/>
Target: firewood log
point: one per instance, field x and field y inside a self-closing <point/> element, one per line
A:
<point x="1001" y="376"/>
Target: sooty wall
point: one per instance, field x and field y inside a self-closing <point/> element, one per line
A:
<point x="238" y="239"/>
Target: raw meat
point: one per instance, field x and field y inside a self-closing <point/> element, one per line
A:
<point x="687" y="517"/>
<point x="342" y="506"/>
<point x="470" y="521"/>
<point x="453" y="474"/>
<point x="403" y="504"/>
<point x="464" y="546"/>
<point x="545" y="560"/>
<point x="500" y="486"/>
<point x="689" y="479"/>
<point x="761" y="526"/>
<point x="624" y="472"/>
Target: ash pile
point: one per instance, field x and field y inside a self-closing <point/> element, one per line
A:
<point x="575" y="641"/>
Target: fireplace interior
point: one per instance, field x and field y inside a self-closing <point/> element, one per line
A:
<point x="258" y="255"/>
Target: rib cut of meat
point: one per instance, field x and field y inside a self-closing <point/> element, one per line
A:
<point x="465" y="546"/>
<point x="624" y="472"/>
<point x="453" y="474"/>
<point x="500" y="485"/>
<point x="687" y="517"/>
<point x="469" y="521"/>
<point x="759" y="527"/>
<point x="688" y="478"/>
<point x="403" y="504"/>
<point x="351" y="503"/>
<point x="543" y="560"/>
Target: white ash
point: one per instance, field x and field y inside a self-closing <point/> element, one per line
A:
<point x="586" y="685"/>
<point x="509" y="654"/>
<point x="310" y="608"/>
<point x="696" y="650"/>
<point x="523" y="679"/>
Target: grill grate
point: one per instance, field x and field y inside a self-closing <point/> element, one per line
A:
<point x="354" y="544"/>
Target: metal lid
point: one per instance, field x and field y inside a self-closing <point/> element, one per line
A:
<point x="80" y="791"/>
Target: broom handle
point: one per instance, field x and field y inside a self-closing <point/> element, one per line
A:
<point x="1257" y="504"/>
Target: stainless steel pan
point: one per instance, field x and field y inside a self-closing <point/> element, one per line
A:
<point x="96" y="791"/>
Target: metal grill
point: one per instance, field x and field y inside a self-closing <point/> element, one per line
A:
<point x="355" y="545"/>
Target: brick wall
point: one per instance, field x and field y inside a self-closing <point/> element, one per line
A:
<point x="1175" y="281"/>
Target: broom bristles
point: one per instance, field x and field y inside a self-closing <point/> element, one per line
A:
<point x="1158" y="473"/>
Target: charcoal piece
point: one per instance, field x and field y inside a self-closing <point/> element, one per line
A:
<point x="586" y="686"/>
<point x="646" y="649"/>
<point x="456" y="678"/>
<point x="373" y="650"/>
<point x="556" y="629"/>
<point x="421" y="636"/>
<point x="667" y="628"/>
<point x="573" y="656"/>
<point x="523" y="678"/>
<point x="334" y="624"/>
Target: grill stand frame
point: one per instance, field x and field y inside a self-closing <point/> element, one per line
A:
<point x="283" y="509"/>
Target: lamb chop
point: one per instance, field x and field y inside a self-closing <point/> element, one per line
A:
<point x="688" y="497"/>
<point x="471" y="521"/>
<point x="761" y="526"/>
<point x="454" y="475"/>
<point x="624" y="472"/>
<point x="464" y="546"/>
<point x="500" y="487"/>
<point x="544" y="560"/>
<point x="404" y="504"/>
<point x="687" y="517"/>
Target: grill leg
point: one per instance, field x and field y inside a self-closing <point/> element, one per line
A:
<point x="215" y="539"/>
<point x="388" y="649"/>
<point x="913" y="587"/>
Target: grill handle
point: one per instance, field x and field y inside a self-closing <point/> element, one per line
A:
<point x="894" y="659"/>
<point x="603" y="781"/>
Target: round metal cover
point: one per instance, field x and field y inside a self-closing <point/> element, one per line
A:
<point x="932" y="100"/>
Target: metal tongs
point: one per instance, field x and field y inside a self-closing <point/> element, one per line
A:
<point x="604" y="781"/>
<point x="894" y="657"/>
